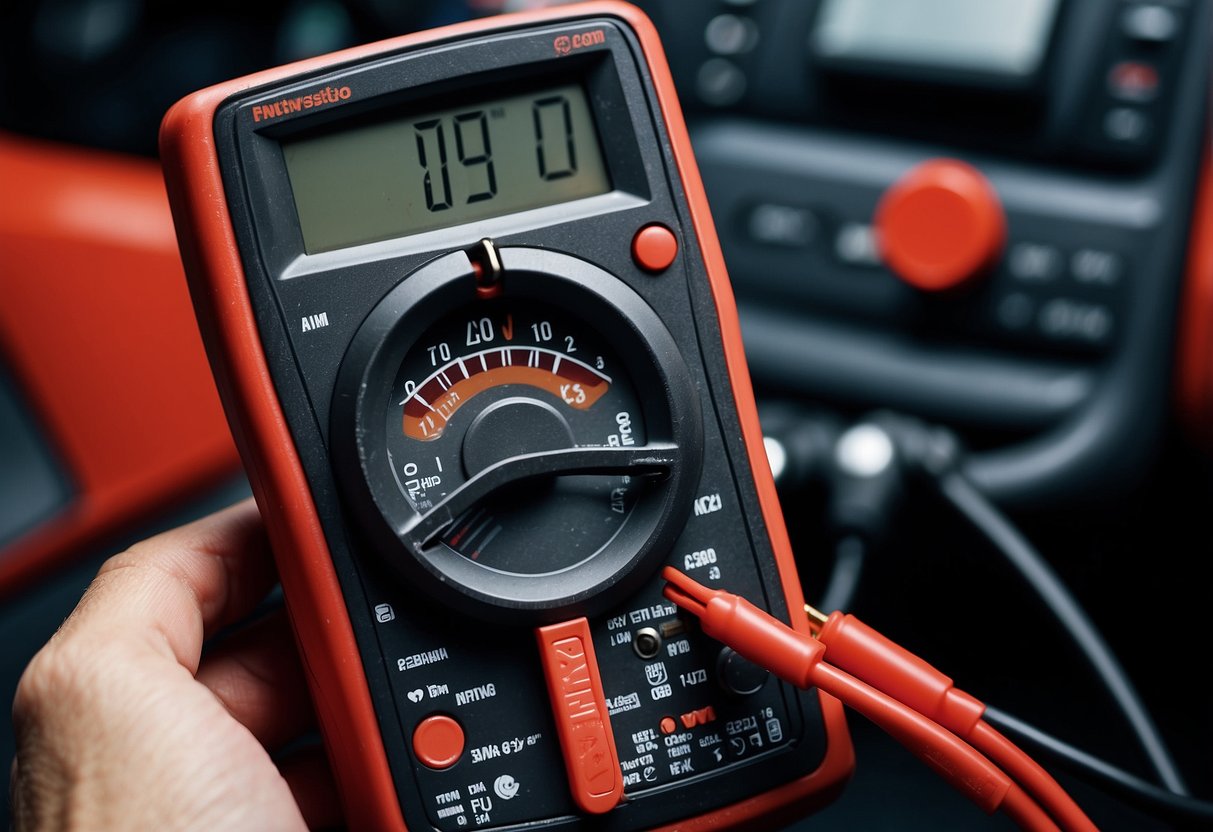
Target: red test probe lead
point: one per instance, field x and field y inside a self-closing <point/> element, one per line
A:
<point x="900" y="693"/>
<point x="871" y="657"/>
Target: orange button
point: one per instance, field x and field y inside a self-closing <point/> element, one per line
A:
<point x="941" y="225"/>
<point x="438" y="741"/>
<point x="668" y="725"/>
<point x="654" y="248"/>
<point x="579" y="705"/>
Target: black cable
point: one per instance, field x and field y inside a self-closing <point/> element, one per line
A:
<point x="988" y="520"/>
<point x="860" y="510"/>
<point x="849" y="555"/>
<point x="1131" y="789"/>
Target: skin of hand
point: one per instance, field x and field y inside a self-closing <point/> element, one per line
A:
<point x="122" y="723"/>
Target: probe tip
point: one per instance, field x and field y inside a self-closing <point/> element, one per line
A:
<point x="817" y="618"/>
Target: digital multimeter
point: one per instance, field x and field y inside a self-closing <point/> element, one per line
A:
<point x="469" y="319"/>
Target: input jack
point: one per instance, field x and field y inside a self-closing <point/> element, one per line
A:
<point x="647" y="642"/>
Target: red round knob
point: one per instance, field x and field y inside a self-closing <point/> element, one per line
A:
<point x="438" y="741"/>
<point x="941" y="225"/>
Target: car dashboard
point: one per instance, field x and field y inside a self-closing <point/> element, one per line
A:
<point x="1065" y="344"/>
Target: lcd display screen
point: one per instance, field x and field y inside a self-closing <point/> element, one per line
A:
<point x="1003" y="37"/>
<point x="440" y="168"/>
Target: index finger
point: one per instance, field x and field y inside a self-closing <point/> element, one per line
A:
<point x="171" y="591"/>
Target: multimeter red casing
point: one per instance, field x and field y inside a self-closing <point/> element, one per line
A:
<point x="241" y="278"/>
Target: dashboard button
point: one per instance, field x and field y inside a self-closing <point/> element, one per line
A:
<point x="1034" y="263"/>
<point x="1133" y="81"/>
<point x="1014" y="312"/>
<point x="1126" y="126"/>
<point x="941" y="225"/>
<point x="730" y="34"/>
<point x="1063" y="319"/>
<point x="720" y="82"/>
<point x="781" y="225"/>
<point x="1150" y="23"/>
<point x="855" y="245"/>
<point x="1094" y="267"/>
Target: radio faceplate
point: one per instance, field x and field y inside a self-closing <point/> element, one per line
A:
<point x="1082" y="84"/>
<point x="1057" y="362"/>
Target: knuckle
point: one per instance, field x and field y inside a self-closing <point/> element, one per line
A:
<point x="50" y="676"/>
<point x="126" y="559"/>
<point x="41" y="683"/>
<point x="52" y="682"/>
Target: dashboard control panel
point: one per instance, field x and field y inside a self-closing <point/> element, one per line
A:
<point x="1051" y="345"/>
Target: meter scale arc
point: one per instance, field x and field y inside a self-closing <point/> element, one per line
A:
<point x="520" y="461"/>
<point x="436" y="399"/>
<point x="499" y="391"/>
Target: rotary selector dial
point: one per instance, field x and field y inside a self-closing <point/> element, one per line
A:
<point x="503" y="379"/>
<point x="528" y="451"/>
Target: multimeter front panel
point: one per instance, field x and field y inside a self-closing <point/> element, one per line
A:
<point x="360" y="198"/>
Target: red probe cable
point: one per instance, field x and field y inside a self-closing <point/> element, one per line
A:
<point x="949" y="756"/>
<point x="857" y="648"/>
<point x="896" y="690"/>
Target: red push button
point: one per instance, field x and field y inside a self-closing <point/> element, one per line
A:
<point x="438" y="741"/>
<point x="1133" y="81"/>
<point x="941" y="225"/>
<point x="579" y="705"/>
<point x="654" y="248"/>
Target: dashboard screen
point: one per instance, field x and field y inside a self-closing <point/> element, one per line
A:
<point x="1004" y="37"/>
<point x="439" y="168"/>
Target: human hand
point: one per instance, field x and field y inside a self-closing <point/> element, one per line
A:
<point x="121" y="723"/>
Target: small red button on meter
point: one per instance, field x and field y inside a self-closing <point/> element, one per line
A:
<point x="438" y="741"/>
<point x="654" y="248"/>
<point x="941" y="225"/>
